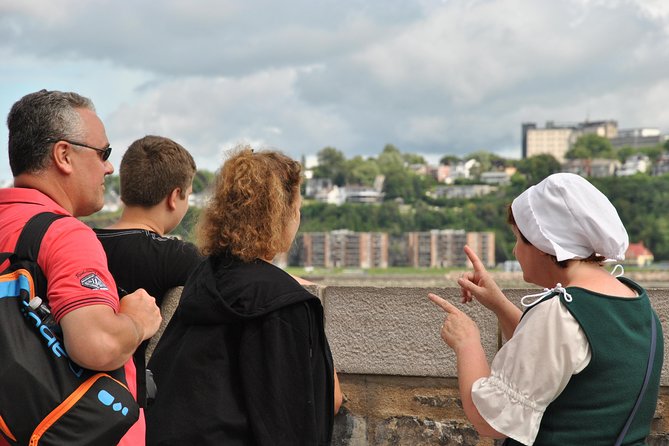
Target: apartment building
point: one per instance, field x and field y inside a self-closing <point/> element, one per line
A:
<point x="342" y="248"/>
<point x="638" y="138"/>
<point x="442" y="248"/>
<point x="313" y="250"/>
<point x="436" y="248"/>
<point x="557" y="138"/>
<point x="483" y="244"/>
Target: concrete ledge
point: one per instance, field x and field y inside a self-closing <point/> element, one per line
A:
<point x="395" y="331"/>
<point x="399" y="378"/>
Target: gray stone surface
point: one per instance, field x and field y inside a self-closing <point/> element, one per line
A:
<point x="401" y="431"/>
<point x="395" y="331"/>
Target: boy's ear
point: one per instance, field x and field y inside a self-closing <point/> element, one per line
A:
<point x="173" y="197"/>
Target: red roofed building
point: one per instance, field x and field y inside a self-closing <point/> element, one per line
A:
<point x="638" y="254"/>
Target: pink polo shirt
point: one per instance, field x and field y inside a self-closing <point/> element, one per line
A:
<point x="74" y="264"/>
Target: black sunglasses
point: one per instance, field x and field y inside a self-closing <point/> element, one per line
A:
<point x="104" y="153"/>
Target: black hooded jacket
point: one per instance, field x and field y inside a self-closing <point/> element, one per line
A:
<point x="243" y="361"/>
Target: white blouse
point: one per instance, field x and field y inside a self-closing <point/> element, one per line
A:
<point x="531" y="370"/>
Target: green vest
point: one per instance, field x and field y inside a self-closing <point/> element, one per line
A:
<point x="596" y="403"/>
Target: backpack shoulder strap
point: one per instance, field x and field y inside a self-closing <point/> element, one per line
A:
<point x="30" y="240"/>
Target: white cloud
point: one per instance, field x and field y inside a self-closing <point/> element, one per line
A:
<point x="429" y="76"/>
<point x="209" y="115"/>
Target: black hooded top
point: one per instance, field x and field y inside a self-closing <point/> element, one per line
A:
<point x="243" y="361"/>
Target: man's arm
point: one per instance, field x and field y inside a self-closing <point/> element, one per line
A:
<point x="99" y="339"/>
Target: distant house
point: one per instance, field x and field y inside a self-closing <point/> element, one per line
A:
<point x="325" y="192"/>
<point x="496" y="177"/>
<point x="334" y="195"/>
<point x="315" y="186"/>
<point x="439" y="173"/>
<point x="634" y="164"/>
<point x="598" y="167"/>
<point x="462" y="170"/>
<point x="362" y="194"/>
<point x="420" y="169"/>
<point x="661" y="165"/>
<point x="465" y="191"/>
<point x="638" y="254"/>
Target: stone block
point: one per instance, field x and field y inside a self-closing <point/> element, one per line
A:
<point x="396" y="331"/>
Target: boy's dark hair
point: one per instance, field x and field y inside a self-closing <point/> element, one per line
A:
<point x="151" y="168"/>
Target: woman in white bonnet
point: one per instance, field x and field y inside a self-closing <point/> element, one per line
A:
<point x="582" y="363"/>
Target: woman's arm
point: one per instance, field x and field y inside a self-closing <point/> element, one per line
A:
<point x="462" y="335"/>
<point x="338" y="397"/>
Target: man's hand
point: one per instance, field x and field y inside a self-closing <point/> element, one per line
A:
<point x="141" y="308"/>
<point x="98" y="338"/>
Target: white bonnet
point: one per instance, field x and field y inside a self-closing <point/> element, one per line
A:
<point x="566" y="216"/>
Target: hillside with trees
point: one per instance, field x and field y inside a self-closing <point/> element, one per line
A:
<point x="641" y="199"/>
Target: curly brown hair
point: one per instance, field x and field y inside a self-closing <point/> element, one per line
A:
<point x="252" y="202"/>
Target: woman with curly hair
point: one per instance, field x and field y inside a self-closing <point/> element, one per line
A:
<point x="245" y="360"/>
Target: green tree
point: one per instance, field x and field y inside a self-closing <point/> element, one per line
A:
<point x="412" y="158"/>
<point x="331" y="164"/>
<point x="653" y="153"/>
<point x="538" y="167"/>
<point x="202" y="180"/>
<point x="487" y="160"/>
<point x="113" y="183"/>
<point x="591" y="146"/>
<point x="449" y="160"/>
<point x="390" y="159"/>
<point x="625" y="152"/>
<point x="399" y="184"/>
<point x="361" y="171"/>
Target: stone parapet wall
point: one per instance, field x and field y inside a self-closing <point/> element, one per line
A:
<point x="399" y="378"/>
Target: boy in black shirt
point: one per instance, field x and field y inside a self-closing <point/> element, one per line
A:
<point x="156" y="177"/>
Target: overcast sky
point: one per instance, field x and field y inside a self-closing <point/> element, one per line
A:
<point x="433" y="77"/>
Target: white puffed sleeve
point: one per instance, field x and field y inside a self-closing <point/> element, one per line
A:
<point x="531" y="370"/>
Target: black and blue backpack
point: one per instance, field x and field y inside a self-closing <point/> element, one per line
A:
<point x="46" y="399"/>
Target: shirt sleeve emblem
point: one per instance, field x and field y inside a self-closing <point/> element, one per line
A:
<point x="92" y="281"/>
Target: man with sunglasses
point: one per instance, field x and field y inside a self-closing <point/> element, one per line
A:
<point x="58" y="153"/>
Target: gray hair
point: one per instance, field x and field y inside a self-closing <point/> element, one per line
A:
<point x="39" y="119"/>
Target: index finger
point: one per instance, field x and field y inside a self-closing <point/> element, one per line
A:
<point x="476" y="262"/>
<point x="443" y="303"/>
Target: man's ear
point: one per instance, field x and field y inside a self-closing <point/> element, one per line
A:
<point x="61" y="153"/>
<point x="173" y="197"/>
